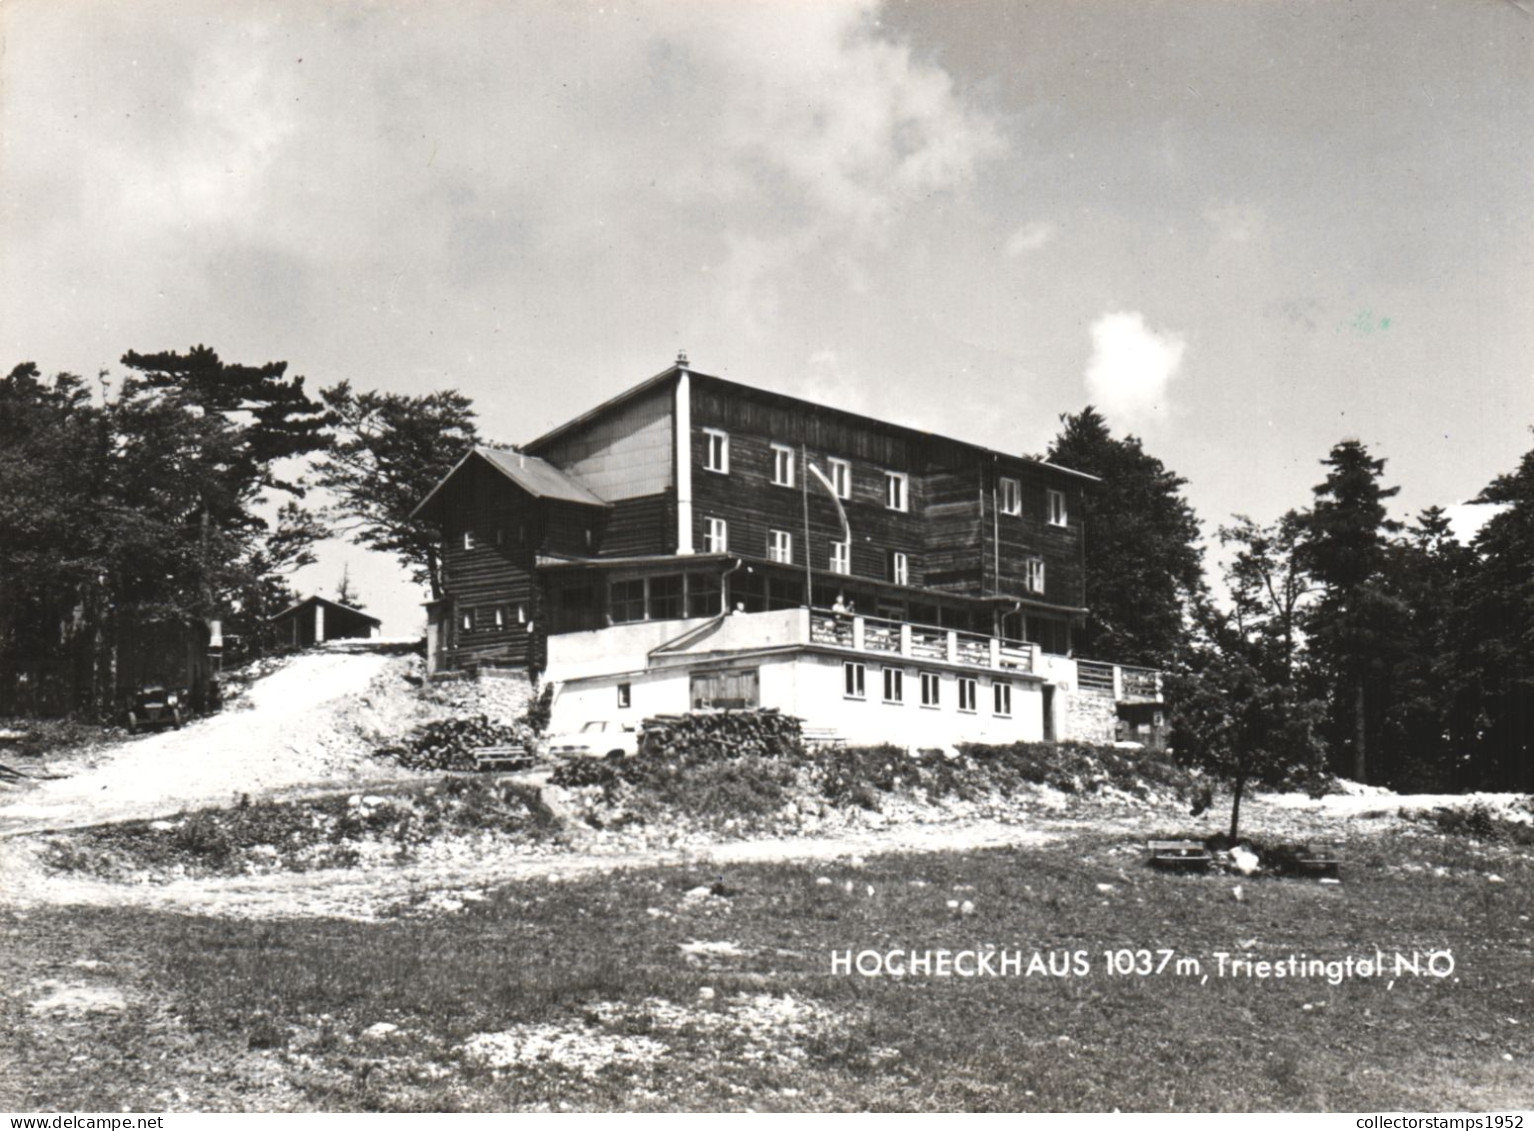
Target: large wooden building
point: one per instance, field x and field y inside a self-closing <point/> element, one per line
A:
<point x="695" y="542"/>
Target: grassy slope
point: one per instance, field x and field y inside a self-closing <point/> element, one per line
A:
<point x="225" y="1015"/>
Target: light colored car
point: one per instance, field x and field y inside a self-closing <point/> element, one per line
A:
<point x="599" y="738"/>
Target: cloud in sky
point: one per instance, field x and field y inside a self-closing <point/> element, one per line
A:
<point x="1030" y="237"/>
<point x="1131" y="367"/>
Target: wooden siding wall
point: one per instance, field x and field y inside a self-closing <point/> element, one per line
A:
<point x="623" y="454"/>
<point x="639" y="526"/>
<point x="1029" y="535"/>
<point x="953" y="536"/>
<point x="497" y="572"/>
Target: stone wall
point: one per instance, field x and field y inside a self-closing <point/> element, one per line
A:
<point x="1087" y="716"/>
<point x="501" y="694"/>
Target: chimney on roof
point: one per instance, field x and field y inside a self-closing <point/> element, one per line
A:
<point x="681" y="359"/>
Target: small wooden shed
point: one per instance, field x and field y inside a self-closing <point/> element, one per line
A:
<point x="315" y="620"/>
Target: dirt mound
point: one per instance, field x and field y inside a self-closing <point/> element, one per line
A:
<point x="312" y="721"/>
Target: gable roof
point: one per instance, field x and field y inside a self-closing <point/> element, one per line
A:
<point x="538" y="477"/>
<point x="772" y="396"/>
<point x="326" y="601"/>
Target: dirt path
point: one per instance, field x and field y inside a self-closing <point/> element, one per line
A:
<point x="372" y="893"/>
<point x="304" y="724"/>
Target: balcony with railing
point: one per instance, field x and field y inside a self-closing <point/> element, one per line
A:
<point x="649" y="644"/>
<point x="919" y="642"/>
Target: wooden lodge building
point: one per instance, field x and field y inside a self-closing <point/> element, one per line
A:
<point x="697" y="543"/>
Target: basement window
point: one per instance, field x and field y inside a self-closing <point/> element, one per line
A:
<point x="625" y="696"/>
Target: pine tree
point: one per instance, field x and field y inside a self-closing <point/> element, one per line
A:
<point x="1495" y="658"/>
<point x="390" y="451"/>
<point x="1143" y="564"/>
<point x="1353" y="626"/>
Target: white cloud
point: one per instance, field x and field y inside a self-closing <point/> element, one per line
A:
<point x="1466" y="519"/>
<point x="1030" y="237"/>
<point x="1131" y="367"/>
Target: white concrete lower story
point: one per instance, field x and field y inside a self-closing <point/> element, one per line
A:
<point x="864" y="680"/>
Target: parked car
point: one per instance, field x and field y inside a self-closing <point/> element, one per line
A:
<point x="154" y="706"/>
<point x="599" y="738"/>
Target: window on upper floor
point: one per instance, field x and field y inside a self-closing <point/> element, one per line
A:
<point x="625" y="696"/>
<point x="841" y="557"/>
<point x="852" y="681"/>
<point x="783" y="465"/>
<point x="468" y="539"/>
<point x="966" y="693"/>
<point x="897" y="490"/>
<point x="1057" y="512"/>
<point x="899" y="568"/>
<point x="716" y="451"/>
<point x="894" y="685"/>
<point x="716" y="536"/>
<point x="1035" y="575"/>
<point x="1011" y="497"/>
<point x="467" y="620"/>
<point x="780" y="546"/>
<point x="841" y="478"/>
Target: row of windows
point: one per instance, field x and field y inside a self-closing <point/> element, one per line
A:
<point x="491" y="618"/>
<point x="897" y="484"/>
<point x="667" y="596"/>
<point x="780" y="548"/>
<point x="471" y="540"/>
<point x="854" y="686"/>
<point x="716" y="457"/>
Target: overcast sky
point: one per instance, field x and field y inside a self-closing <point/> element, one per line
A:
<point x="1244" y="230"/>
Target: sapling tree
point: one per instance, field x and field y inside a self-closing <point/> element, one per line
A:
<point x="1233" y="720"/>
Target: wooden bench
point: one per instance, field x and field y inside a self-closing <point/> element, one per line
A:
<point x="510" y="757"/>
<point x="1320" y="858"/>
<point x="1179" y="855"/>
<point x="821" y="736"/>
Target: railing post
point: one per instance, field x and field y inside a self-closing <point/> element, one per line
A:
<point x="857" y="633"/>
<point x="1118" y="683"/>
<point x="953" y="646"/>
<point x="905" y="639"/>
<point x="995" y="652"/>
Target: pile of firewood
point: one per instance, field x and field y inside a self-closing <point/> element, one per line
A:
<point x="450" y="743"/>
<point x="717" y="735"/>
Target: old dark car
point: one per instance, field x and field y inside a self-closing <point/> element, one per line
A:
<point x="154" y="706"/>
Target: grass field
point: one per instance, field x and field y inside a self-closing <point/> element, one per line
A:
<point x="625" y="991"/>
